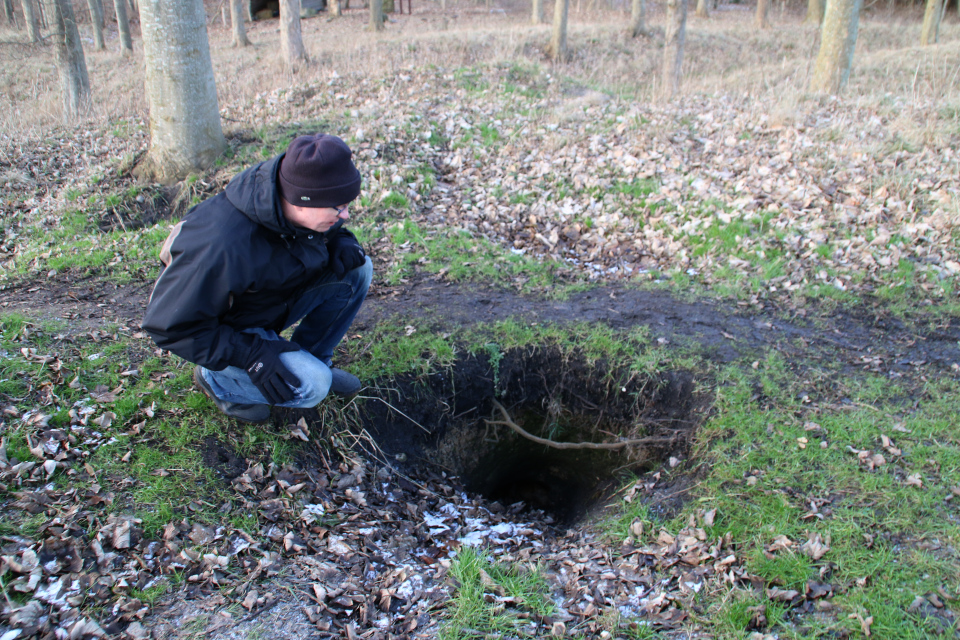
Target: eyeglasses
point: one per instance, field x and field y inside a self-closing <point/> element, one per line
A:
<point x="340" y="210"/>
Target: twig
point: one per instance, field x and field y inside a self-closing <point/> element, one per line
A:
<point x="508" y="422"/>
<point x="394" y="408"/>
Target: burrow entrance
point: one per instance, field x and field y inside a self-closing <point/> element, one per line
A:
<point x="443" y="422"/>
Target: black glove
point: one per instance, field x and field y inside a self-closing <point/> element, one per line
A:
<point x="268" y="373"/>
<point x="346" y="254"/>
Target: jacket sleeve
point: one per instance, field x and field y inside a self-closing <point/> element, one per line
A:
<point x="195" y="290"/>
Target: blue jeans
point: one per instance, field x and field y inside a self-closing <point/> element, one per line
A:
<point x="327" y="309"/>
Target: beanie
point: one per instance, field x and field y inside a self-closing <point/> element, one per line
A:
<point x="317" y="172"/>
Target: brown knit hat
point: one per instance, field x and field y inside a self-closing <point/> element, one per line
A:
<point x="317" y="172"/>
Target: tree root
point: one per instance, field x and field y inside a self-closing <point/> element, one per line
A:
<point x="508" y="422"/>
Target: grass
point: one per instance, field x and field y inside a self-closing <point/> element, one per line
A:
<point x="520" y="589"/>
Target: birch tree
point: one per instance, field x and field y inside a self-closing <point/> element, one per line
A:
<point x="376" y="15"/>
<point x="97" y="23"/>
<point x="30" y="17"/>
<point x="123" y="26"/>
<point x="930" y="34"/>
<point x="673" y="46"/>
<point x="71" y="65"/>
<point x="236" y="23"/>
<point x="638" y="18"/>
<point x="838" y="40"/>
<point x="291" y="38"/>
<point x="185" y="133"/>
<point x="558" y="40"/>
<point x="536" y="12"/>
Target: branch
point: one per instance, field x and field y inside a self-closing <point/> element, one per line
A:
<point x="508" y="422"/>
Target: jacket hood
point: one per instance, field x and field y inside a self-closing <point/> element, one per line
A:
<point x="254" y="192"/>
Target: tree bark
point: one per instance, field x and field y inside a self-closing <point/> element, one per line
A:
<point x="763" y="14"/>
<point x="97" y="25"/>
<point x="558" y="41"/>
<point x="814" y="12"/>
<point x="703" y="11"/>
<point x="376" y="15"/>
<point x="291" y="38"/>
<point x="71" y="65"/>
<point x="930" y="34"/>
<point x="123" y="26"/>
<point x="185" y="133"/>
<point x="236" y="24"/>
<point x="103" y="21"/>
<point x="837" y="43"/>
<point x="638" y="18"/>
<point x="30" y="17"/>
<point x="536" y="12"/>
<point x="335" y="8"/>
<point x="8" y="12"/>
<point x="673" y="46"/>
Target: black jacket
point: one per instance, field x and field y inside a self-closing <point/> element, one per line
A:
<point x="234" y="262"/>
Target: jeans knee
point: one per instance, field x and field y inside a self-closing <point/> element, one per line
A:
<point x="315" y="378"/>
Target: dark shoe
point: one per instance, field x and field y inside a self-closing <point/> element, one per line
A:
<point x="252" y="413"/>
<point x="344" y="384"/>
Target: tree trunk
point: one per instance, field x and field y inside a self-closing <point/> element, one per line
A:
<point x="123" y="26"/>
<point x="236" y="22"/>
<point x="536" y="12"/>
<point x="135" y="10"/>
<point x="185" y="133"/>
<point x="291" y="38"/>
<point x="97" y="28"/>
<point x="103" y="21"/>
<point x="376" y="15"/>
<point x="335" y="8"/>
<point x="703" y="11"/>
<point x="558" y="41"/>
<point x="930" y="34"/>
<point x="814" y="12"/>
<point x="8" y="12"/>
<point x="30" y="17"/>
<point x="763" y="14"/>
<point x="71" y="65"/>
<point x="837" y="43"/>
<point x="638" y="18"/>
<point x="673" y="46"/>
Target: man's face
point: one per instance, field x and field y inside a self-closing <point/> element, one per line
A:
<point x="318" y="219"/>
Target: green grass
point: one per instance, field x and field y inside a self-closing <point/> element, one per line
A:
<point x="521" y="588"/>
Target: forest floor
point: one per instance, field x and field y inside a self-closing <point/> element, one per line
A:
<point x="748" y="295"/>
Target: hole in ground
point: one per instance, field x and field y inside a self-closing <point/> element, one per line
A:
<point x="444" y="421"/>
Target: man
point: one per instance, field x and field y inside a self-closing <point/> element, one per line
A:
<point x="253" y="260"/>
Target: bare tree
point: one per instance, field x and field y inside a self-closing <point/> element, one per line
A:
<point x="763" y="14"/>
<point x="376" y="15"/>
<point x="814" y="12"/>
<point x="71" y="65"/>
<point x="558" y="40"/>
<point x="536" y="12"/>
<point x="291" y="39"/>
<point x="185" y="133"/>
<point x="335" y="8"/>
<point x="837" y="43"/>
<point x="236" y="22"/>
<point x="930" y="34"/>
<point x="123" y="26"/>
<point x="703" y="11"/>
<point x="97" y="23"/>
<point x="638" y="18"/>
<point x="30" y="17"/>
<point x="673" y="46"/>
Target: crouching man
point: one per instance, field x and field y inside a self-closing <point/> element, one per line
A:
<point x="251" y="261"/>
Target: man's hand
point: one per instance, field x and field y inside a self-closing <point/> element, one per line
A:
<point x="268" y="373"/>
<point x="346" y="254"/>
